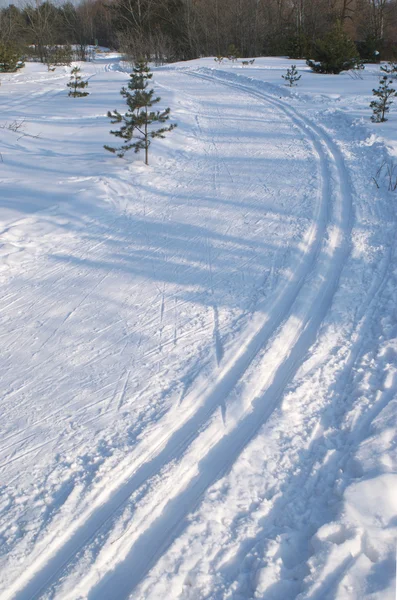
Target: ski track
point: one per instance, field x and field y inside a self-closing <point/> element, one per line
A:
<point x="157" y="537"/>
<point x="33" y="98"/>
<point x="308" y="294"/>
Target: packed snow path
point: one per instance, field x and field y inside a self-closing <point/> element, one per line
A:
<point x="163" y="326"/>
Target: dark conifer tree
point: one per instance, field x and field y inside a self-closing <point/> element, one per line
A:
<point x="334" y="53"/>
<point x="139" y="118"/>
<point x="10" y="59"/>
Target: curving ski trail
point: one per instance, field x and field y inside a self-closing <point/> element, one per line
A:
<point x="286" y="353"/>
<point x="287" y="330"/>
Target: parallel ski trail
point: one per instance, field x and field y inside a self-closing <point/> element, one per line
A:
<point x="156" y="537"/>
<point x="322" y="261"/>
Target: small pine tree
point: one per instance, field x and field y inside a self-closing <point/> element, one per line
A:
<point x="390" y="69"/>
<point x="10" y="59"/>
<point x="334" y="53"/>
<point x="76" y="84"/>
<point x="292" y="76"/>
<point x="49" y="58"/>
<point x="233" y="53"/>
<point x="139" y="117"/>
<point x="384" y="94"/>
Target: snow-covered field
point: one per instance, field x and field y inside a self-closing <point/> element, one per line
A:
<point x="198" y="358"/>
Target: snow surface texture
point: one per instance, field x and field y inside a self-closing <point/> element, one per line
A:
<point x="198" y="358"/>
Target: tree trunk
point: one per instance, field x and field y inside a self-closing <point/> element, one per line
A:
<point x="146" y="142"/>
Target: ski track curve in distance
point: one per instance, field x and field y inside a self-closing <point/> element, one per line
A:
<point x="323" y="252"/>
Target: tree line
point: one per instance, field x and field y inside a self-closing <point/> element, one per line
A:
<point x="169" y="30"/>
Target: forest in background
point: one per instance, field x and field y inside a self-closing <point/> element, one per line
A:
<point x="169" y="30"/>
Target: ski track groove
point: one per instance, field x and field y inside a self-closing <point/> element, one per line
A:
<point x="120" y="401"/>
<point x="10" y="393"/>
<point x="49" y="565"/>
<point x="158" y="535"/>
<point x="70" y="314"/>
<point x="33" y="98"/>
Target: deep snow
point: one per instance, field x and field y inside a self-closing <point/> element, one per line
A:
<point x="198" y="358"/>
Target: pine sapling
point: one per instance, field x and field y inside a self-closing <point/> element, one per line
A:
<point x="76" y="84"/>
<point x="139" y="118"/>
<point x="390" y="69"/>
<point x="10" y="59"/>
<point x="233" y="53"/>
<point x="381" y="105"/>
<point x="49" y="61"/>
<point x="292" y="76"/>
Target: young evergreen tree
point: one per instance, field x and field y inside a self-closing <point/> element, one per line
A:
<point x="233" y="53"/>
<point x="139" y="117"/>
<point x="384" y="94"/>
<point x="334" y="53"/>
<point x="10" y="59"/>
<point x="292" y="76"/>
<point x="390" y="69"/>
<point x="76" y="84"/>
